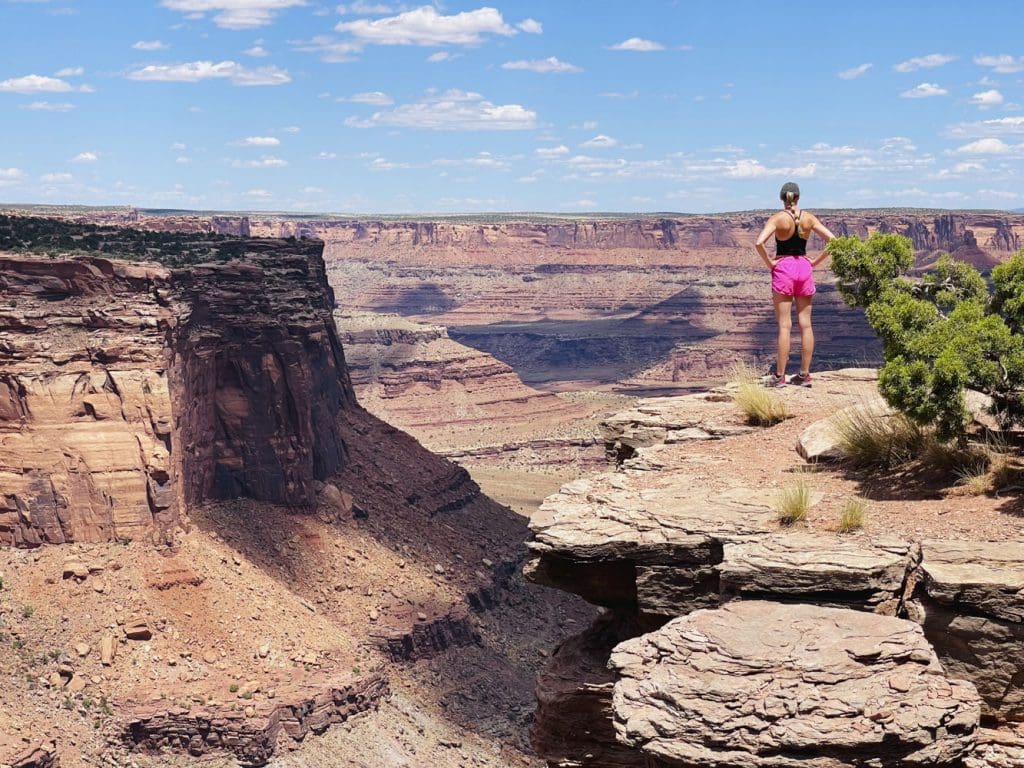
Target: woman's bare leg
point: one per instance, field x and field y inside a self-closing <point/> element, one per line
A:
<point x="803" y="319"/>
<point x="783" y="311"/>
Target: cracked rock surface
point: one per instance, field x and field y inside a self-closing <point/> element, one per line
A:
<point x="757" y="684"/>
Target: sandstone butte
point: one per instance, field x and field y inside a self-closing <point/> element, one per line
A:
<point x="209" y="546"/>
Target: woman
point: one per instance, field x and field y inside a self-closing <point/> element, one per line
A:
<point x="792" y="279"/>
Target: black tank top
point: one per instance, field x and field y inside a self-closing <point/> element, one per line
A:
<point x="794" y="245"/>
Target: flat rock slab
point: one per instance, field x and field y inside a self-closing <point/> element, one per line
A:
<point x="758" y="684"/>
<point x="667" y="519"/>
<point x="985" y="577"/>
<point x="870" y="575"/>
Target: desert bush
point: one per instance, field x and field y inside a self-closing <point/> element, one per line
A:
<point x="760" y="406"/>
<point x="941" y="333"/>
<point x="852" y="516"/>
<point x="793" y="502"/>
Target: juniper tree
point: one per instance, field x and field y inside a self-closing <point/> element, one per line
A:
<point x="942" y="332"/>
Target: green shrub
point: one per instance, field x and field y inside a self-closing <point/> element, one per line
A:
<point x="941" y="333"/>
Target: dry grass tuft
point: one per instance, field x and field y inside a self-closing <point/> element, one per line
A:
<point x="793" y="502"/>
<point x="986" y="468"/>
<point x="871" y="437"/>
<point x="852" y="517"/>
<point x="760" y="405"/>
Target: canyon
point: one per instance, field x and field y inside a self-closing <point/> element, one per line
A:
<point x="636" y="305"/>
<point x="194" y="504"/>
<point x="218" y="411"/>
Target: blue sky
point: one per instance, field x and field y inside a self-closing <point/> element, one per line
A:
<point x="563" y="105"/>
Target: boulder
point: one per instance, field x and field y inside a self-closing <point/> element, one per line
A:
<point x="821" y="440"/>
<point x="757" y="684"/>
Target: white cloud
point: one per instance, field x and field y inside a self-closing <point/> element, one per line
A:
<point x="35" y="84"/>
<point x="364" y="8"/>
<point x="257" y="52"/>
<point x="543" y="66"/>
<point x="620" y="96"/>
<point x="984" y="99"/>
<point x="150" y="45"/>
<point x="70" y="72"/>
<point x="267" y="161"/>
<point x="182" y="160"/>
<point x="259" y="194"/>
<point x="530" y="26"/>
<point x="923" y="91"/>
<point x="425" y="26"/>
<point x="260" y="141"/>
<point x="854" y="72"/>
<point x="10" y="176"/>
<point x="453" y="110"/>
<point x="56" y="178"/>
<point x="292" y="129"/>
<point x="373" y="98"/>
<point x="744" y="168"/>
<point x="600" y="141"/>
<point x="327" y="156"/>
<point x="1001" y="126"/>
<point x="49" y="106"/>
<point x="234" y="14"/>
<point x="1003" y="64"/>
<point x="380" y="164"/>
<point x="178" y="146"/>
<point x="924" y="62"/>
<point x="434" y="58"/>
<point x="85" y="157"/>
<point x="985" y="147"/>
<point x="547" y="153"/>
<point x="330" y="49"/>
<point x="195" y="71"/>
<point x="638" y="44"/>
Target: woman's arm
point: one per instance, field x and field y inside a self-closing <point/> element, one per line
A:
<point x="823" y="232"/>
<point x="766" y="232"/>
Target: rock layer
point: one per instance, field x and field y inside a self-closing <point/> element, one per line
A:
<point x="128" y="391"/>
<point x="790" y="686"/>
<point x="253" y="738"/>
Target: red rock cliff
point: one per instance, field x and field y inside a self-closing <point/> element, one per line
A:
<point x="128" y="391"/>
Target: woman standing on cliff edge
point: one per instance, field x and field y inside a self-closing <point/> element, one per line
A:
<point x="792" y="279"/>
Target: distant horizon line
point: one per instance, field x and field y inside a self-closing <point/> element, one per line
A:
<point x="412" y="215"/>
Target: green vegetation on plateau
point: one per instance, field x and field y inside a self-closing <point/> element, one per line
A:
<point x="943" y="332"/>
<point x="61" y="239"/>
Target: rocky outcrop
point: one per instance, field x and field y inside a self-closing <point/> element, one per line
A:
<point x="258" y="337"/>
<point x="574" y="723"/>
<point x="86" y="416"/>
<point x="37" y="756"/>
<point x="449" y="396"/>
<point x="126" y="390"/>
<point x="872" y="617"/>
<point x="972" y="609"/>
<point x="790" y="686"/>
<point x="253" y="736"/>
<point x="666" y="420"/>
<point x="868" y="575"/>
<point x="428" y="637"/>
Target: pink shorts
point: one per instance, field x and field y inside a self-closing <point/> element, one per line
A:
<point x="793" y="276"/>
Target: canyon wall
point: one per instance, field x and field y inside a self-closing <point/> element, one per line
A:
<point x="128" y="391"/>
